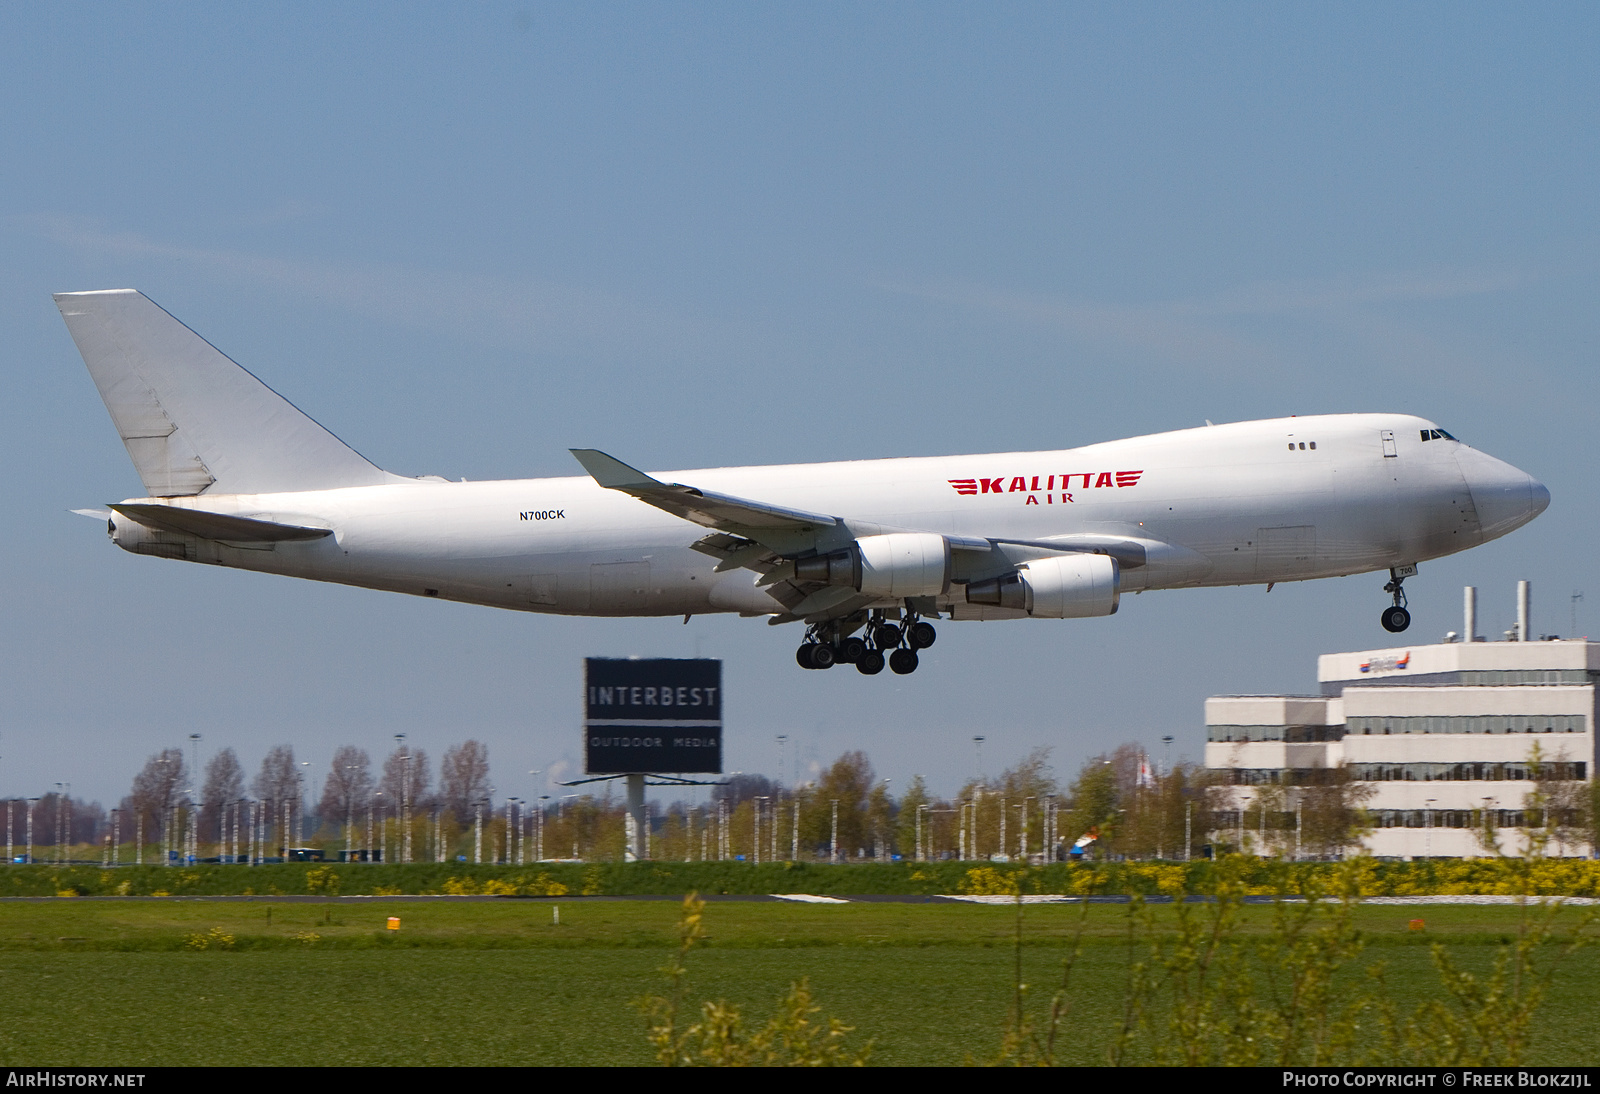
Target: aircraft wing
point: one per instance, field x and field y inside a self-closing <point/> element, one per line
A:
<point x="764" y="537"/>
<point x="704" y="507"/>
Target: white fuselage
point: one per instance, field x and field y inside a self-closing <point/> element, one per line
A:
<point x="1225" y="505"/>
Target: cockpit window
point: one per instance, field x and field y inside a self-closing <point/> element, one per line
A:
<point x="1436" y="435"/>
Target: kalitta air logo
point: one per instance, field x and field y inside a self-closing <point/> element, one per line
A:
<point x="1387" y="664"/>
<point x="1031" y="486"/>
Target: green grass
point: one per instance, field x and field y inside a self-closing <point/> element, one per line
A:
<point x="114" y="983"/>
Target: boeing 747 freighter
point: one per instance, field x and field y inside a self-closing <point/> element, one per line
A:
<point x="862" y="554"/>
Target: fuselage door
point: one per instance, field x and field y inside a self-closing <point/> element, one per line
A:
<point x="1388" y="443"/>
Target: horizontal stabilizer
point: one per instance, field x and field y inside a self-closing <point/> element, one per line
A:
<point x="218" y="526"/>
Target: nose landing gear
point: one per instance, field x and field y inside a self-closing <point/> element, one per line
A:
<point x="1396" y="619"/>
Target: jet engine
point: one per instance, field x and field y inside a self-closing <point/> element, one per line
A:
<point x="1059" y="587"/>
<point x="897" y="565"/>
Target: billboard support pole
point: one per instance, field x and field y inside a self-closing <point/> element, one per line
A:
<point x="638" y="823"/>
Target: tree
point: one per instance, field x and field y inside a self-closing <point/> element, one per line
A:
<point x="916" y="796"/>
<point x="464" y="778"/>
<point x="224" y="785"/>
<point x="156" y="789"/>
<point x="348" y="788"/>
<point x="277" y="784"/>
<point x="279" y="779"/>
<point x="1332" y="818"/>
<point x="742" y="787"/>
<point x="1033" y="779"/>
<point x="395" y="788"/>
<point x="1091" y="801"/>
<point x="880" y="818"/>
<point x="1558" y="807"/>
<point x="848" y="781"/>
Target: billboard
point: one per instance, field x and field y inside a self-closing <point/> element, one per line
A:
<point x="644" y="716"/>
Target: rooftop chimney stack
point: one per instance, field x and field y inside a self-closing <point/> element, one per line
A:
<point x="1522" y="612"/>
<point x="1469" y="630"/>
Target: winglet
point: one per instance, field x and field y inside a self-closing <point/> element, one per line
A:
<point x="611" y="472"/>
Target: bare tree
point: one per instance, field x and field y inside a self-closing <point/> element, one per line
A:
<point x="394" y="785"/>
<point x="224" y="784"/>
<point x="349" y="785"/>
<point x="157" y="788"/>
<point x="278" y="782"/>
<point x="464" y="778"/>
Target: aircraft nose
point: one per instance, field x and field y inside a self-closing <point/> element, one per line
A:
<point x="1505" y="497"/>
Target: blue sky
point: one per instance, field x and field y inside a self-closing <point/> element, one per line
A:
<point x="469" y="237"/>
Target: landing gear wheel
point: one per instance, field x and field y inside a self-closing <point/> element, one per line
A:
<point x="921" y="635"/>
<point x="1397" y="619"/>
<point x="886" y="636"/>
<point x="822" y="657"/>
<point x="851" y="650"/>
<point x="871" y="663"/>
<point x="903" y="662"/>
<point x="802" y="655"/>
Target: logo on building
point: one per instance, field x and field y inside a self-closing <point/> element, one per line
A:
<point x="1387" y="664"/>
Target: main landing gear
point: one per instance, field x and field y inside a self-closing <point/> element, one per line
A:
<point x="885" y="643"/>
<point x="1396" y="618"/>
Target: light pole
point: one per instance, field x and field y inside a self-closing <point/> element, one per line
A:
<point x="877" y="829"/>
<point x="755" y="830"/>
<point x="405" y="797"/>
<point x="1024" y="833"/>
<point x="31" y="803"/>
<point x="538" y="830"/>
<point x="1050" y="822"/>
<point x="66" y="824"/>
<point x="375" y="837"/>
<point x="972" y="818"/>
<point x="349" y="808"/>
<point x="511" y="825"/>
<point x="833" y="837"/>
<point x="477" y="832"/>
<point x="537" y="801"/>
<point x="300" y="798"/>
<point x="977" y="744"/>
<point x="60" y="794"/>
<point x="241" y="830"/>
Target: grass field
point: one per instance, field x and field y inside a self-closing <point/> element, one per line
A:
<point x="119" y="983"/>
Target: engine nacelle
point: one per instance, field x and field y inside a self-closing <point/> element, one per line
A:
<point x="132" y="536"/>
<point x="896" y="565"/>
<point x="1059" y="587"/>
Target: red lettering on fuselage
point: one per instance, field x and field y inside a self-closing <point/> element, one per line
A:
<point x="1020" y="484"/>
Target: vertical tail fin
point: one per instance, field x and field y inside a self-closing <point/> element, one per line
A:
<point x="193" y="421"/>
